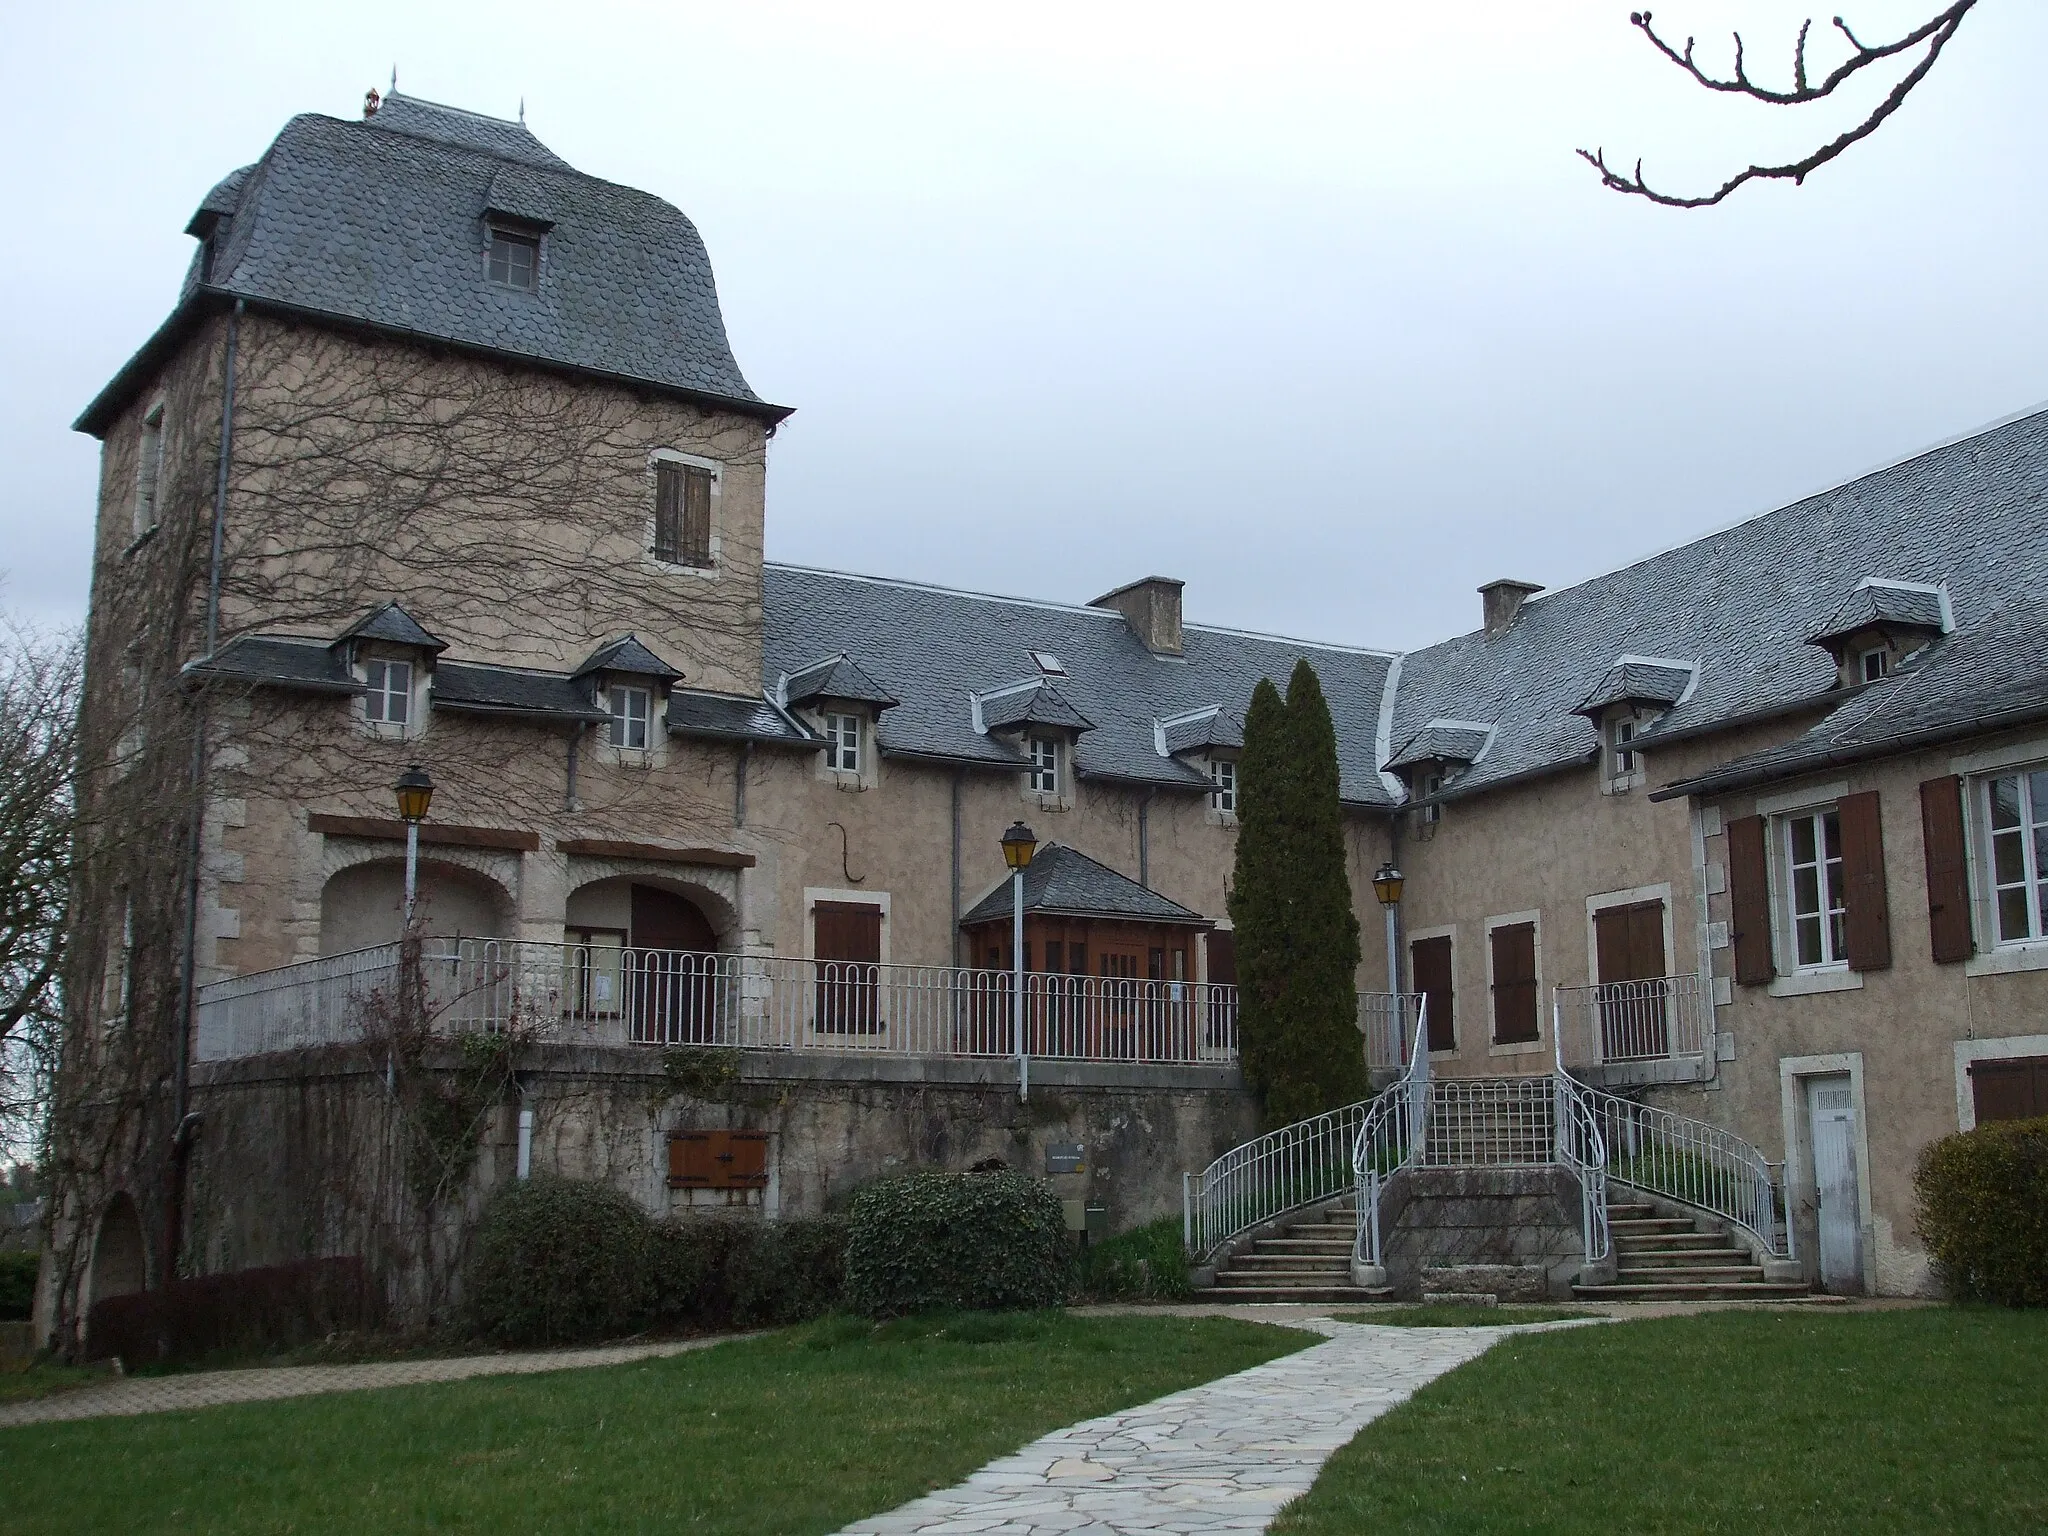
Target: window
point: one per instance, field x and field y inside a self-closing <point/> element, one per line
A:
<point x="1814" y="884"/>
<point x="1223" y="785"/>
<point x="842" y="743"/>
<point x="389" y="701"/>
<point x="1430" y="784"/>
<point x="514" y="259"/>
<point x="1048" y="663"/>
<point x="2018" y="825"/>
<point x="1622" y="736"/>
<point x="1514" y="983"/>
<point x="1045" y="765"/>
<point x="630" y="709"/>
<point x="1873" y="664"/>
<point x="682" y="513"/>
<point x="149" y="471"/>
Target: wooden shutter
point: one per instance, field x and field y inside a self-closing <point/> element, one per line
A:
<point x="668" y="511"/>
<point x="1514" y="984"/>
<point x="1749" y="897"/>
<point x="743" y="1161"/>
<point x="2010" y="1090"/>
<point x="847" y="930"/>
<point x="1222" y="957"/>
<point x="696" y="516"/>
<point x="1948" y="878"/>
<point x="846" y="941"/>
<point x="1867" y="922"/>
<point x="1430" y="963"/>
<point x="690" y="1164"/>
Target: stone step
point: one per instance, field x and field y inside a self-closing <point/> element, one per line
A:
<point x="1303" y="1239"/>
<point x="1318" y="1294"/>
<point x="1666" y="1242"/>
<point x="1340" y="1259"/>
<point x="1681" y="1258"/>
<point x="1701" y="1274"/>
<point x="1651" y="1226"/>
<point x="1682" y="1291"/>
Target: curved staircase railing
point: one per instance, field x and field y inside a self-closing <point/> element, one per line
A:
<point x="1393" y="1135"/>
<point x="1582" y="1152"/>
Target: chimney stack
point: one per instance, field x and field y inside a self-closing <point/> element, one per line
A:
<point x="1503" y="601"/>
<point x="1152" y="608"/>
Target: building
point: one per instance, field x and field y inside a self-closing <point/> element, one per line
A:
<point x="442" y="458"/>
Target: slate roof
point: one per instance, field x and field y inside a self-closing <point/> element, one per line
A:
<point x="1880" y="603"/>
<point x="278" y="661"/>
<point x="1214" y="727"/>
<point x="1971" y="515"/>
<point x="1990" y="676"/>
<point x="379" y="222"/>
<point x="837" y="677"/>
<point x="931" y="648"/>
<point x="484" y="690"/>
<point x="392" y="623"/>
<point x="1063" y="882"/>
<point x="627" y="654"/>
<point x="1041" y="703"/>
<point x="728" y="717"/>
<point x="1637" y="680"/>
<point x="1446" y="741"/>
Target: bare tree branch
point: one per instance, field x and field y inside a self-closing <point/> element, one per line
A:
<point x="1934" y="33"/>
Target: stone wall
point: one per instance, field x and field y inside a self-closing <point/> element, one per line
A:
<point x="1517" y="1219"/>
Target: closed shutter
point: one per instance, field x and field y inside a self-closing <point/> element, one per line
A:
<point x="1430" y="960"/>
<point x="696" y="523"/>
<point x="1749" y="897"/>
<point x="668" y="512"/>
<point x="1948" y="879"/>
<point x="1867" y="923"/>
<point x="743" y="1161"/>
<point x="2010" y="1090"/>
<point x="1514" y="984"/>
<point x="846" y="940"/>
<point x="690" y="1159"/>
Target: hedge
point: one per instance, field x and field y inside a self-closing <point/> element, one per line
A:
<point x="274" y="1307"/>
<point x="18" y="1285"/>
<point x="926" y="1242"/>
<point x="1147" y="1263"/>
<point x="1984" y="1212"/>
<point x="561" y="1261"/>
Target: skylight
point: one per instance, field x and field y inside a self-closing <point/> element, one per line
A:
<point x="1048" y="663"/>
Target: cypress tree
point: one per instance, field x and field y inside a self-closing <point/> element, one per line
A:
<point x="1290" y="903"/>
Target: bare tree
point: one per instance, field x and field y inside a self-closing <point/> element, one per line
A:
<point x="1931" y="36"/>
<point x="39" y="680"/>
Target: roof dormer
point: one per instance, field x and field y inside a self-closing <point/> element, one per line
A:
<point x="1438" y="753"/>
<point x="1212" y="732"/>
<point x="1025" y="707"/>
<point x="1879" y="623"/>
<point x="626" y="656"/>
<point x="836" y="679"/>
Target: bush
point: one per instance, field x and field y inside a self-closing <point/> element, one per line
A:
<point x="244" y="1310"/>
<point x="716" y="1272"/>
<point x="561" y="1261"/>
<point x="959" y="1241"/>
<point x="18" y="1285"/>
<point x="1146" y="1263"/>
<point x="1984" y="1212"/>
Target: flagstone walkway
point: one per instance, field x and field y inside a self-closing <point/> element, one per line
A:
<point x="1220" y="1457"/>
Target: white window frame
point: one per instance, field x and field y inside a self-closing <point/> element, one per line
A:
<point x="619" y="698"/>
<point x="1044" y="777"/>
<point x="149" y="472"/>
<point x="842" y="730"/>
<point x="1832" y="913"/>
<point x="1878" y="653"/>
<point x="1223" y="786"/>
<point x="2033" y="872"/>
<point x="379" y="694"/>
<point x="1431" y="783"/>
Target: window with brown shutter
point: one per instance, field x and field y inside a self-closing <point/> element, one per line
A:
<point x="1948" y="877"/>
<point x="682" y="513"/>
<point x="2010" y="1090"/>
<point x="718" y="1160"/>
<point x="1867" y="922"/>
<point x="690" y="1165"/>
<point x="1430" y="964"/>
<point x="846" y="942"/>
<point x="1749" y="898"/>
<point x="1514" y="984"/>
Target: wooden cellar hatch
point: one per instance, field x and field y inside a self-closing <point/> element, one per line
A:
<point x="718" y="1160"/>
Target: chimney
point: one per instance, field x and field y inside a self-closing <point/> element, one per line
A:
<point x="1152" y="608"/>
<point x="1503" y="601"/>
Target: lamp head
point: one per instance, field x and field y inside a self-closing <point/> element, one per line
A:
<point x="1019" y="843"/>
<point x="1386" y="884"/>
<point x="415" y="792"/>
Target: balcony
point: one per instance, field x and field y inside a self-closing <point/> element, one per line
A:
<point x="1631" y="1033"/>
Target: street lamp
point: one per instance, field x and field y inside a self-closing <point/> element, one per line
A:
<point x="415" y="792"/>
<point x="1387" y="881"/>
<point x="1019" y="844"/>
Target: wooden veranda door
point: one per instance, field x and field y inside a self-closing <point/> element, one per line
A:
<point x="1221" y="1031"/>
<point x="1629" y="946"/>
<point x="671" y="970"/>
<point x="1120" y="967"/>
<point x="846" y="942"/>
<point x="1430" y="963"/>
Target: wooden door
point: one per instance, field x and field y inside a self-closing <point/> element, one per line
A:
<point x="2010" y="1090"/>
<point x="1634" y="995"/>
<point x="1831" y="1112"/>
<point x="846" y="942"/>
<point x="1430" y="965"/>
<point x="1220" y="1030"/>
<point x="1515" y="1020"/>
<point x="671" y="970"/>
<point x="1119" y="965"/>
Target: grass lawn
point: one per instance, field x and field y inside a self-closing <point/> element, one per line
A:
<point x="1452" y="1315"/>
<point x="801" y="1431"/>
<point x="1926" y="1420"/>
<point x="43" y="1378"/>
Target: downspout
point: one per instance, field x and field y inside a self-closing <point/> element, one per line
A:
<point x="181" y="1079"/>
<point x="739" y="784"/>
<point x="1703" y="953"/>
<point x="959" y="775"/>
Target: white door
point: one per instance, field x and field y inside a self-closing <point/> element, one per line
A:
<point x="1832" y="1114"/>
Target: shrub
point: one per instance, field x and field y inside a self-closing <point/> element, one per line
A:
<point x="242" y="1310"/>
<point x="1983" y="1199"/>
<point x="715" y="1271"/>
<point x="1146" y="1263"/>
<point x="18" y="1285"/>
<point x="931" y="1241"/>
<point x="559" y="1261"/>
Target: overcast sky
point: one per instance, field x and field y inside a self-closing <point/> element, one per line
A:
<point x="1309" y="305"/>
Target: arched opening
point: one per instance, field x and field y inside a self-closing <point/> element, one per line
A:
<point x="648" y="954"/>
<point x="365" y="904"/>
<point x="119" y="1261"/>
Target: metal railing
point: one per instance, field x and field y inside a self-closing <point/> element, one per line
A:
<point x="1387" y="1020"/>
<point x="1393" y="1135"/>
<point x="1661" y="1019"/>
<point x="1582" y="1152"/>
<point x="1490" y="1122"/>
<point x="1695" y="1163"/>
<point x="1296" y="1165"/>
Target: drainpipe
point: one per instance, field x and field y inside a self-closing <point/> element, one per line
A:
<point x="525" y="1137"/>
<point x="181" y="1078"/>
<point x="959" y="776"/>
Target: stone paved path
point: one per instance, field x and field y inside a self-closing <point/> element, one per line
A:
<point x="168" y="1394"/>
<point x="1220" y="1457"/>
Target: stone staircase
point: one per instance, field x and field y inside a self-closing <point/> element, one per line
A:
<point x="1308" y="1260"/>
<point x="1680" y="1258"/>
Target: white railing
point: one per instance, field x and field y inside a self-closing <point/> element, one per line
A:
<point x="1582" y="1152"/>
<point x="1387" y="1020"/>
<point x="1694" y="1163"/>
<point x="604" y="994"/>
<point x="1489" y="1122"/>
<point x="1662" y="1019"/>
<point x="1297" y="1165"/>
<point x="1393" y="1135"/>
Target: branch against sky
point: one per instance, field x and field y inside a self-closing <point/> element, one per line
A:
<point x="1932" y="35"/>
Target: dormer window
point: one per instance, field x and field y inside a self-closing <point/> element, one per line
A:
<point x="842" y="742"/>
<point x="1043" y="777"/>
<point x="514" y="259"/>
<point x="1223" y="785"/>
<point x="1427" y="785"/>
<point x="631" y="709"/>
<point x="389" y="699"/>
<point x="1873" y="664"/>
<point x="1622" y="736"/>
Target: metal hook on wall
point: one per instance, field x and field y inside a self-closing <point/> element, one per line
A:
<point x="851" y="877"/>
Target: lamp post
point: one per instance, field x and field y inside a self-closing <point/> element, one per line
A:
<point x="1387" y="881"/>
<point x="1019" y="843"/>
<point x="415" y="792"/>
